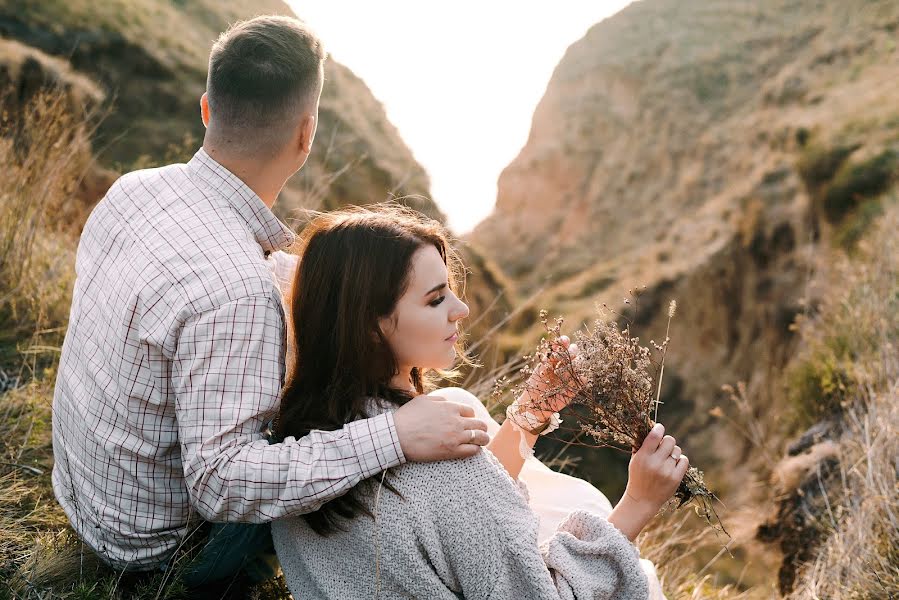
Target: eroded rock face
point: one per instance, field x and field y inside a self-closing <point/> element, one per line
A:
<point x="664" y="154"/>
<point x="809" y="485"/>
<point x="685" y="146"/>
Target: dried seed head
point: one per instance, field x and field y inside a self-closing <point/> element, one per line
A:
<point x="672" y="308"/>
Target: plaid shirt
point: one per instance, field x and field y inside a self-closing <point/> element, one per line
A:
<point x="172" y="367"/>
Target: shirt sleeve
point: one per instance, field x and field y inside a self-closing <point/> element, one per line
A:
<point x="227" y="374"/>
<point x="493" y="536"/>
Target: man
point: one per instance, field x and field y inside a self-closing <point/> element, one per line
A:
<point x="174" y="356"/>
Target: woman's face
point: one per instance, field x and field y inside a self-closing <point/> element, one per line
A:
<point x="421" y="331"/>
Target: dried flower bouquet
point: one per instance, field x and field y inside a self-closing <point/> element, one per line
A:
<point x="614" y="385"/>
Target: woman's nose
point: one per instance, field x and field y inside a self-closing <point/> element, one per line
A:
<point x="460" y="311"/>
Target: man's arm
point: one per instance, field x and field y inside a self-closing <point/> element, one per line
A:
<point x="227" y="375"/>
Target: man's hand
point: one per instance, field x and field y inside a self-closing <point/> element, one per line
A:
<point x="430" y="428"/>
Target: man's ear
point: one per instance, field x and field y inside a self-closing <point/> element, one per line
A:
<point x="307" y="129"/>
<point x="204" y="109"/>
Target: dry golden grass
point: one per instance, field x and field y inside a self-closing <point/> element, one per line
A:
<point x="44" y="151"/>
<point x="860" y="555"/>
<point x="857" y="332"/>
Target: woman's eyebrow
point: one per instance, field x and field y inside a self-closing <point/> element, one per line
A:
<point x="436" y="288"/>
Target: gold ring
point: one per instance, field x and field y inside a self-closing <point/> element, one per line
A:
<point x="471" y="441"/>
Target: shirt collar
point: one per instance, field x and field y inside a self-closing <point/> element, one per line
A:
<point x="269" y="232"/>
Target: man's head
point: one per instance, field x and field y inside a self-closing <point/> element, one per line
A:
<point x="262" y="91"/>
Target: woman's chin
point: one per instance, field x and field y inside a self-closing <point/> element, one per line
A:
<point x="451" y="362"/>
<point x="444" y="363"/>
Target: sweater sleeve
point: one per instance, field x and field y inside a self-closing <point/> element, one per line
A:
<point x="490" y="539"/>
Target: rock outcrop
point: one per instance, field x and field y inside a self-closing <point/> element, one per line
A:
<point x="665" y="154"/>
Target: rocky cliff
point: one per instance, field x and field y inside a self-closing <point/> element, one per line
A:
<point x="668" y="151"/>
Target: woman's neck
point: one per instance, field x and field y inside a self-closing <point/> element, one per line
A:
<point x="403" y="381"/>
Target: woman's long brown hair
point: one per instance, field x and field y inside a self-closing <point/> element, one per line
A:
<point x="354" y="266"/>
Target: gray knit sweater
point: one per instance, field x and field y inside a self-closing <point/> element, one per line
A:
<point x="462" y="529"/>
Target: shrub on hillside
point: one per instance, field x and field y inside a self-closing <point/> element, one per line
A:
<point x="856" y="181"/>
<point x="817" y="385"/>
<point x="818" y="164"/>
<point x="855" y="324"/>
<point x="856" y="224"/>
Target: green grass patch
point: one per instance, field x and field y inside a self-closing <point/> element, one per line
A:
<point x="817" y="387"/>
<point x="818" y="164"/>
<point x="857" y="223"/>
<point x="855" y="182"/>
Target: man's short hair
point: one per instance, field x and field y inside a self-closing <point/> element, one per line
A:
<point x="262" y="74"/>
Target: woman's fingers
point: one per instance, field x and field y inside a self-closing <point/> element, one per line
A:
<point x="676" y="452"/>
<point x="653" y="438"/>
<point x="666" y="447"/>
<point x="680" y="469"/>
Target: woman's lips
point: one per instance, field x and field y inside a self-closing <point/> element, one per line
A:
<point x="452" y="338"/>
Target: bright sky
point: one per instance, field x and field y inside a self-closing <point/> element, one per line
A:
<point x="460" y="80"/>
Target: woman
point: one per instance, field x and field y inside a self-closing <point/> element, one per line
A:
<point x="374" y="313"/>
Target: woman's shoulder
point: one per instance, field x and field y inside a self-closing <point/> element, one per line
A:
<point x="479" y="481"/>
<point x="481" y="464"/>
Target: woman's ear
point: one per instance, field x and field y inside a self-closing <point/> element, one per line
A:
<point x="385" y="329"/>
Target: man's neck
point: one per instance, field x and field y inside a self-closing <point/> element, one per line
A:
<point x="264" y="180"/>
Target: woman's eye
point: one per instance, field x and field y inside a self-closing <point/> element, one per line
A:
<point x="437" y="301"/>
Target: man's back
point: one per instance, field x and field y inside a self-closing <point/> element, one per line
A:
<point x="164" y="248"/>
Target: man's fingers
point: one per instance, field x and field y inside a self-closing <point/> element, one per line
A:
<point x="463" y="409"/>
<point x="473" y="424"/>
<point x="466" y="450"/>
<point x="480" y="438"/>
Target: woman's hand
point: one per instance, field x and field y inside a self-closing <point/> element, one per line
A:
<point x="655" y="471"/>
<point x="549" y="390"/>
